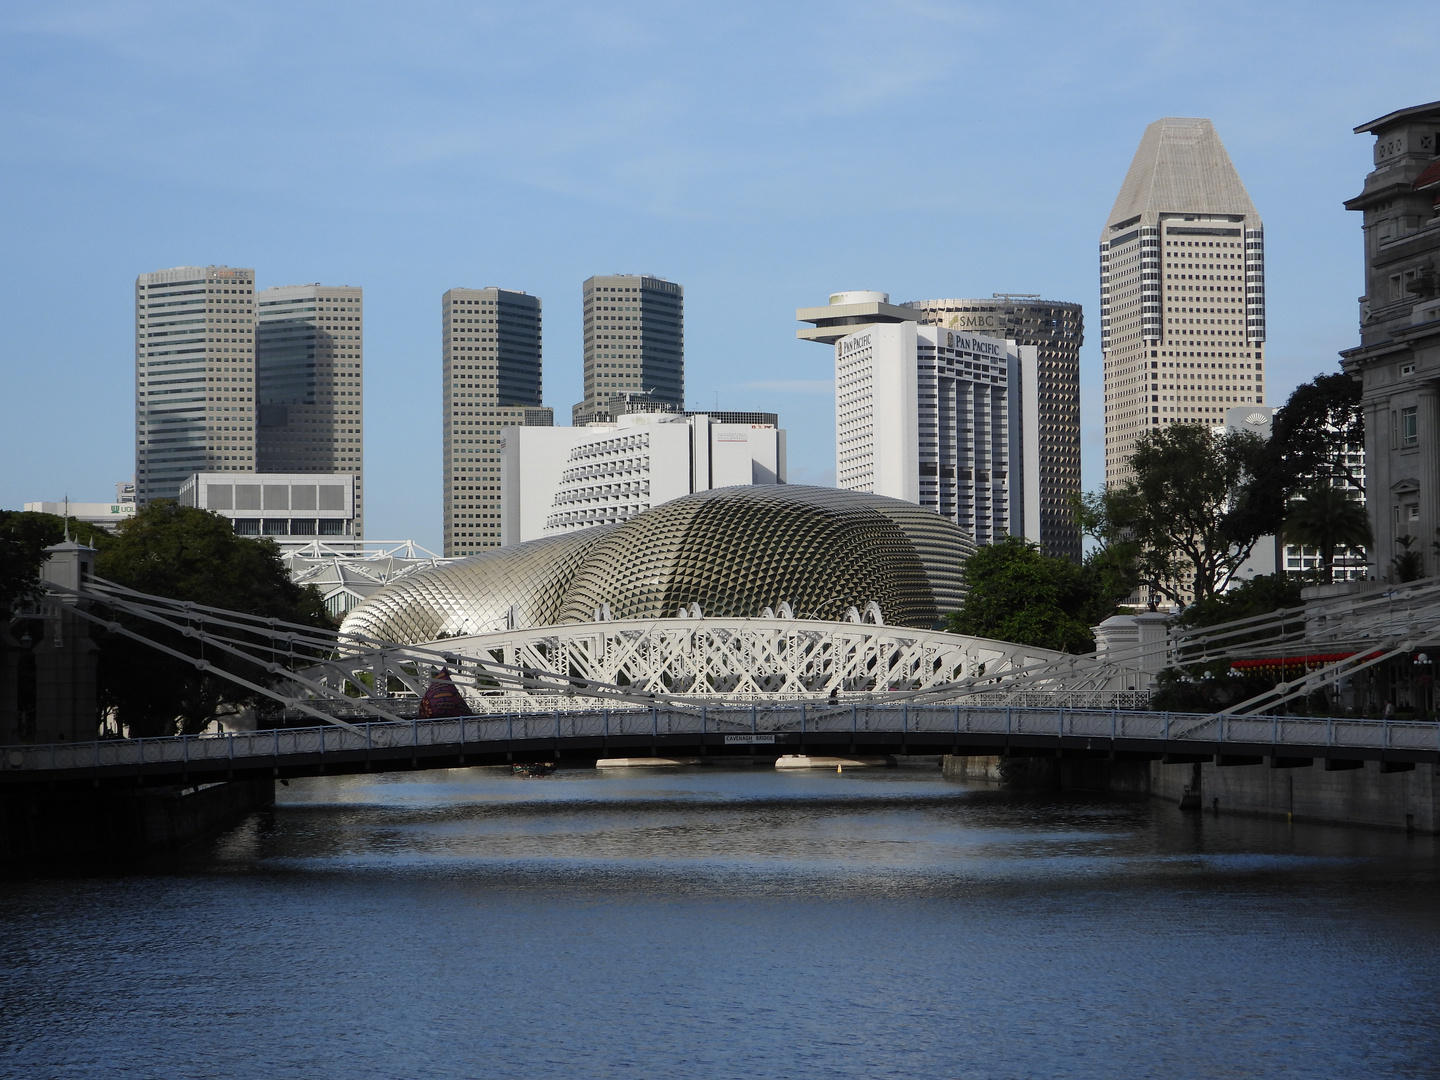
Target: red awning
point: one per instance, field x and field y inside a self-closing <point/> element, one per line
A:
<point x="1429" y="178"/>
<point x="1311" y="660"/>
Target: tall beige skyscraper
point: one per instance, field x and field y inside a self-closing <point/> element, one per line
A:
<point x="1182" y="290"/>
<point x="634" y="345"/>
<point x="194" y="376"/>
<point x="492" y="380"/>
<point x="310" y="382"/>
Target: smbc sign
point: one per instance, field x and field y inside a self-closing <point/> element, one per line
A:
<point x="972" y="322"/>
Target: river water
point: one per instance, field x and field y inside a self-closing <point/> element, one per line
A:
<point x="746" y="923"/>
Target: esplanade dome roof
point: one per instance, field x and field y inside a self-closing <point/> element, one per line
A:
<point x="733" y="551"/>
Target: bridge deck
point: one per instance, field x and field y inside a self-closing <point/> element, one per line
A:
<point x="758" y="730"/>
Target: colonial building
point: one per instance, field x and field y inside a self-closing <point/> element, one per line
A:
<point x="1398" y="359"/>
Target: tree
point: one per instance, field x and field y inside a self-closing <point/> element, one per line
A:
<point x="1016" y="593"/>
<point x="1313" y="428"/>
<point x="1189" y="510"/>
<point x="1112" y="560"/>
<point x="1258" y="596"/>
<point x="1326" y="517"/>
<point x="1315" y="435"/>
<point x="1408" y="565"/>
<point x="24" y="536"/>
<point x="189" y="554"/>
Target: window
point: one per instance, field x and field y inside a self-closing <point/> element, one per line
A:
<point x="1409" y="436"/>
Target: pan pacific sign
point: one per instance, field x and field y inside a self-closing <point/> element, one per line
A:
<point x="980" y="346"/>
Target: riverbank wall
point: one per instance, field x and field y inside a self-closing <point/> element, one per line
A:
<point x="1370" y="795"/>
<point x="96" y="826"/>
<point x="1375" y="795"/>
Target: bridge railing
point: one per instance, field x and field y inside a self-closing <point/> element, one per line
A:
<point x="559" y="727"/>
<point x="485" y="704"/>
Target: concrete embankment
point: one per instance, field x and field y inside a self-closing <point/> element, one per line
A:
<point x="1373" y="795"/>
<point x="95" y="826"/>
<point x="1363" y="796"/>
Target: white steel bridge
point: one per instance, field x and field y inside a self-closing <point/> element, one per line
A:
<point x="714" y="686"/>
<point x="719" y="732"/>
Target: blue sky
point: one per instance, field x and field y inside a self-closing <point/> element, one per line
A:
<point x="762" y="155"/>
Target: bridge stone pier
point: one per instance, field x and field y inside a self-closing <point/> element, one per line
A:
<point x="97" y="824"/>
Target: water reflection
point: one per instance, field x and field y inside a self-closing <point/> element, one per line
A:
<point x="731" y="923"/>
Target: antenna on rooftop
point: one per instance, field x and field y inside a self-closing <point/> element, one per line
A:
<point x="67" y="518"/>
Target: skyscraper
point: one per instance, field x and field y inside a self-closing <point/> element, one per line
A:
<point x="634" y="343"/>
<point x="492" y="379"/>
<point x="310" y="383"/>
<point x="935" y="417"/>
<point x="1057" y="330"/>
<point x="1182" y="290"/>
<point x="194" y="376"/>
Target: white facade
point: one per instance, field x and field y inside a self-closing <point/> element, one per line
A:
<point x="106" y="515"/>
<point x="1056" y="329"/>
<point x="556" y="480"/>
<point x="194" y="376"/>
<point x="310" y="382"/>
<point x="292" y="509"/>
<point x="944" y="419"/>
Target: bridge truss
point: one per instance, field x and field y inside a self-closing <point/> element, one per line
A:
<point x="692" y="661"/>
<point x="774" y="658"/>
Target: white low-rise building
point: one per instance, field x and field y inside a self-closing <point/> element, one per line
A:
<point x="293" y="509"/>
<point x="105" y="515"/>
<point x="556" y="480"/>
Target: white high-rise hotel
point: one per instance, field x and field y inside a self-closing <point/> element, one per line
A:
<point x="1182" y="290"/>
<point x="936" y="415"/>
<point x="939" y="417"/>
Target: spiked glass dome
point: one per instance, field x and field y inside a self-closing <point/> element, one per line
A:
<point x="733" y="551"/>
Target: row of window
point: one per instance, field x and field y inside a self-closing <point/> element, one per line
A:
<point x="291" y="527"/>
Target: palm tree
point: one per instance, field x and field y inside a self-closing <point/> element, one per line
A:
<point x="1408" y="565"/>
<point x="1326" y="518"/>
